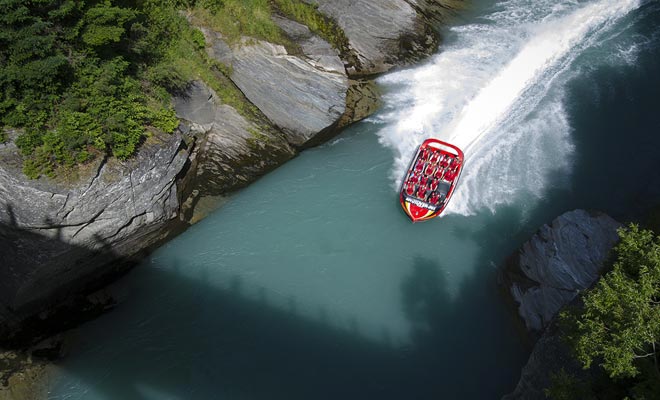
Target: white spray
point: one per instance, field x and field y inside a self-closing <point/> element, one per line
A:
<point x="492" y="92"/>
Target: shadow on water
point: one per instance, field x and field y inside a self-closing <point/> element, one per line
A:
<point x="195" y="341"/>
<point x="179" y="336"/>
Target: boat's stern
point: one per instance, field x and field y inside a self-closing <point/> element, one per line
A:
<point x="418" y="210"/>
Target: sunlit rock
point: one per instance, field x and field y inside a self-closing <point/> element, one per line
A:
<point x="382" y="34"/>
<point x="302" y="95"/>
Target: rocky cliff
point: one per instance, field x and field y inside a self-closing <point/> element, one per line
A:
<point x="60" y="237"/>
<point x="55" y="234"/>
<point x="546" y="274"/>
<point x="559" y="261"/>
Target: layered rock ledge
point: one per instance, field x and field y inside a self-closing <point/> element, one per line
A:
<point x="547" y="273"/>
<point x="558" y="262"/>
<point x="56" y="236"/>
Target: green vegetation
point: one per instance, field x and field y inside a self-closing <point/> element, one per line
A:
<point x="618" y="328"/>
<point x="318" y="23"/>
<point x="75" y="78"/>
<point x="621" y="319"/>
<point x="89" y="78"/>
<point x="236" y="18"/>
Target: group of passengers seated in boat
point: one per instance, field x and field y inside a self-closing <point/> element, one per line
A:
<point x="431" y="168"/>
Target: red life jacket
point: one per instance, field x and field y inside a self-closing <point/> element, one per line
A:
<point x="445" y="162"/>
<point x="410" y="189"/>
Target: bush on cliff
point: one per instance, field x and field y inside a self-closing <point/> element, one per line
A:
<point x="318" y="23"/>
<point x="90" y="78"/>
<point x="74" y="77"/>
<point x="619" y="325"/>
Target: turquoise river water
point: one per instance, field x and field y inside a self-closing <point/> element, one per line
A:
<point x="313" y="284"/>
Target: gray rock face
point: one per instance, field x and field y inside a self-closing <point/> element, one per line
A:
<point x="379" y="32"/>
<point x="559" y="261"/>
<point x="315" y="49"/>
<point x="55" y="227"/>
<point x="301" y="95"/>
<point x="233" y="150"/>
<point x="438" y="10"/>
<point x="547" y="273"/>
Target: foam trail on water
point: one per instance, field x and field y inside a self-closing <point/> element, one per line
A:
<point x="484" y="91"/>
<point x="551" y="42"/>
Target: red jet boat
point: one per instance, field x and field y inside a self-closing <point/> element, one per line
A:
<point x="431" y="179"/>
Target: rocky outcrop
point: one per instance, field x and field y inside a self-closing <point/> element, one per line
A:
<point x="52" y="232"/>
<point x="302" y="95"/>
<point x="547" y="273"/>
<point x="382" y="34"/>
<point x="233" y="150"/>
<point x="559" y="261"/>
<point x="438" y="11"/>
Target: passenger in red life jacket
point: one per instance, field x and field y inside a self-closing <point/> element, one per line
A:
<point x="435" y="157"/>
<point x="445" y="161"/>
<point x="450" y="175"/>
<point x="424" y="180"/>
<point x="434" y="198"/>
<point x="430" y="170"/>
<point x="414" y="178"/>
<point x="410" y="189"/>
<point x="419" y="166"/>
<point x="421" y="193"/>
<point x="434" y="185"/>
<point x="424" y="154"/>
<point x="438" y="173"/>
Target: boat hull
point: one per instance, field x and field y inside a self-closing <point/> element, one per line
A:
<point x="434" y="183"/>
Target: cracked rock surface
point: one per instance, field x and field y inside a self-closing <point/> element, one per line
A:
<point x="302" y="95"/>
<point x="51" y="230"/>
<point x="233" y="150"/>
<point x="379" y="31"/>
<point x="559" y="261"/>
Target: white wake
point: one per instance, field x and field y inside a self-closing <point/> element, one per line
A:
<point x="496" y="91"/>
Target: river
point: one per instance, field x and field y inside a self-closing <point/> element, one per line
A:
<point x="313" y="284"/>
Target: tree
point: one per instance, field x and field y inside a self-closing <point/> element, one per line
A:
<point x="620" y="324"/>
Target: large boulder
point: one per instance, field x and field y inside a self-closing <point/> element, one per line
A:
<point x="547" y="273"/>
<point x="233" y="150"/>
<point x="438" y="11"/>
<point x="56" y="235"/>
<point x="559" y="261"/>
<point x="382" y="33"/>
<point x="302" y="95"/>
